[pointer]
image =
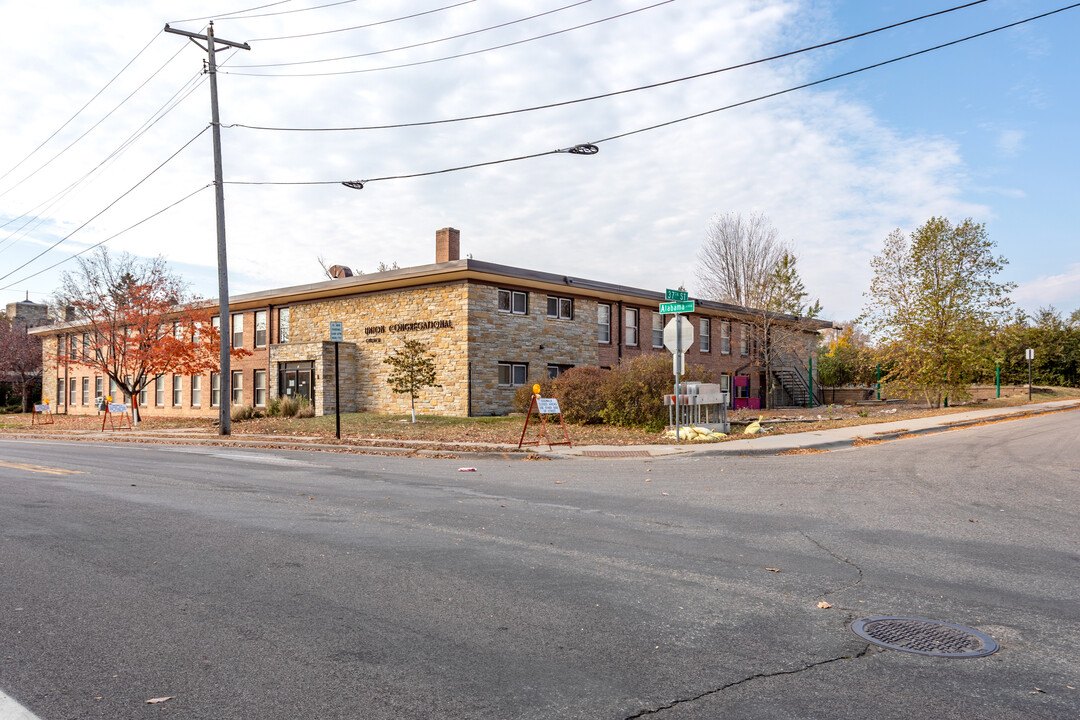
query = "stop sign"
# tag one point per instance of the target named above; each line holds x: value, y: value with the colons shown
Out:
x: 682, y: 326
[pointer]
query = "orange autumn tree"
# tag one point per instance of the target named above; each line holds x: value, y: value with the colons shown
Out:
x: 140, y: 321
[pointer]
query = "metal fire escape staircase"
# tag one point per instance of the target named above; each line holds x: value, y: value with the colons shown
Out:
x: 791, y: 373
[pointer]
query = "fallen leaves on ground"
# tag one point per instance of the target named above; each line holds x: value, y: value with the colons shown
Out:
x: 154, y: 701
x: 824, y: 605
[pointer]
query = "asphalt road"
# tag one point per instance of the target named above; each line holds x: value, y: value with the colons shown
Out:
x: 276, y: 584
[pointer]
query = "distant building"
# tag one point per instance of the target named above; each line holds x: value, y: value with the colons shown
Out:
x: 27, y: 313
x: 492, y: 328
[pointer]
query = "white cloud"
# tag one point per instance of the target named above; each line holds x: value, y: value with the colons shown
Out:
x: 1060, y: 289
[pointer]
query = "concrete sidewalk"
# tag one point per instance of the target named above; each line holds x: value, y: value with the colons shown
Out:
x: 763, y: 444
x: 831, y: 439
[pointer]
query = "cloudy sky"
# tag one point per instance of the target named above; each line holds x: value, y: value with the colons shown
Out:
x: 102, y: 113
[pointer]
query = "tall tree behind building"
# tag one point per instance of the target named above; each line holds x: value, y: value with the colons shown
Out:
x: 933, y: 304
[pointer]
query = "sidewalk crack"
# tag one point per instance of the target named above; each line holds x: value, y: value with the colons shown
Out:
x: 758, y: 676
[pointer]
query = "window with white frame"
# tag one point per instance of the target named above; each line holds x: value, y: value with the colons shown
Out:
x: 657, y: 330
x: 97, y: 387
x: 215, y: 389
x: 515, y: 302
x: 560, y: 307
x: 260, y: 388
x: 59, y: 391
x: 631, y: 325
x: 159, y: 391
x: 283, y: 325
x: 237, y: 330
x: 86, y: 391
x: 196, y: 391
x: 260, y: 328
x: 725, y: 337
x: 74, y: 395
x: 177, y: 390
x: 513, y: 374
x: 603, y: 323
x: 744, y: 340
x: 238, y: 387
x: 554, y: 371
x: 705, y: 326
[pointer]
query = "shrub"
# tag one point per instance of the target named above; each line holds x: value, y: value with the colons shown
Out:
x: 580, y: 392
x: 288, y: 407
x: 306, y: 409
x: 634, y: 391
x: 248, y: 412
x: 523, y: 395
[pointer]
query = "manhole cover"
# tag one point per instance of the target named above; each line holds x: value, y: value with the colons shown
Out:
x: 616, y: 453
x: 925, y: 637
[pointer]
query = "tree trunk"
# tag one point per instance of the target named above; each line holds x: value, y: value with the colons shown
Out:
x: 412, y: 406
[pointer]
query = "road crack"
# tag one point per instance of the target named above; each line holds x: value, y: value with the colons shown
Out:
x: 757, y: 676
x: 842, y: 559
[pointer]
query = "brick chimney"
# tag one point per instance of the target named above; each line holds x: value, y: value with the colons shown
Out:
x: 447, y: 245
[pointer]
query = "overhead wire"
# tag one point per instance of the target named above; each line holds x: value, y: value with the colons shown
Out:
x: 359, y: 27
x: 448, y: 57
x: 614, y: 93
x: 109, y: 206
x: 422, y: 44
x: 361, y: 183
x: 230, y: 14
x: 34, y: 215
x: 111, y: 237
x: 79, y: 111
x: 95, y: 125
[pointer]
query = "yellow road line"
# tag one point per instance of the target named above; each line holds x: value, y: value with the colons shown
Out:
x: 40, y: 469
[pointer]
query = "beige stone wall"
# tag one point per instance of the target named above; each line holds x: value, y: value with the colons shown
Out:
x: 532, y: 338
x: 376, y: 325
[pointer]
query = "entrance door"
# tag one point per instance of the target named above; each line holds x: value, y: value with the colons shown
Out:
x: 295, y: 380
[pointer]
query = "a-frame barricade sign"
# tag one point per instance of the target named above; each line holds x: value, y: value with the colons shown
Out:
x: 116, y: 414
x: 543, y: 406
x: 42, y: 414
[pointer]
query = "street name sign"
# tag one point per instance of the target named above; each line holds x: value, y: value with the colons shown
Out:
x: 666, y: 308
x: 676, y: 295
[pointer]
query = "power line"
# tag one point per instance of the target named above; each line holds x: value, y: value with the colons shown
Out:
x: 359, y: 27
x: 616, y: 92
x: 422, y: 44
x: 107, y: 207
x: 235, y: 12
x: 361, y: 183
x: 102, y: 242
x: 95, y: 125
x: 451, y: 57
x: 34, y: 216
x: 79, y: 111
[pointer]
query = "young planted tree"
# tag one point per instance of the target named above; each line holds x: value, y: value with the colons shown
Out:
x: 413, y: 370
x: 934, y: 303
x: 20, y: 359
x: 140, y: 321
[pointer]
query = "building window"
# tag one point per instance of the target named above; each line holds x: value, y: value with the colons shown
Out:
x: 159, y: 391
x: 283, y: 325
x: 657, y: 330
x: 114, y: 390
x: 215, y: 389
x: 85, y: 345
x: 705, y: 324
x: 260, y: 388
x: 631, y: 326
x: 215, y: 322
x: 86, y: 391
x: 725, y: 337
x: 744, y: 340
x: 560, y: 308
x: 74, y: 388
x: 238, y: 387
x: 196, y: 391
x: 513, y: 301
x: 260, y: 328
x: 177, y: 390
x: 142, y: 395
x: 237, y: 330
x: 97, y: 387
x: 603, y: 323
x: 513, y: 374
x: 554, y: 371
x: 59, y: 391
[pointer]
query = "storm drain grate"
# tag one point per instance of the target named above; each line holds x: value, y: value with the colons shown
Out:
x: 925, y: 637
x: 616, y: 453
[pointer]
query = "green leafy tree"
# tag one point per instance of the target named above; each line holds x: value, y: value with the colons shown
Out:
x: 788, y: 294
x: 413, y: 370
x: 934, y: 303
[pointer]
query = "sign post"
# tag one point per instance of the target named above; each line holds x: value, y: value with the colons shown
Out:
x: 1030, y: 353
x: 335, y: 337
x: 42, y: 413
x: 678, y: 335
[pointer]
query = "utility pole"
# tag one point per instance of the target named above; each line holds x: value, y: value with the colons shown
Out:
x: 225, y: 371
